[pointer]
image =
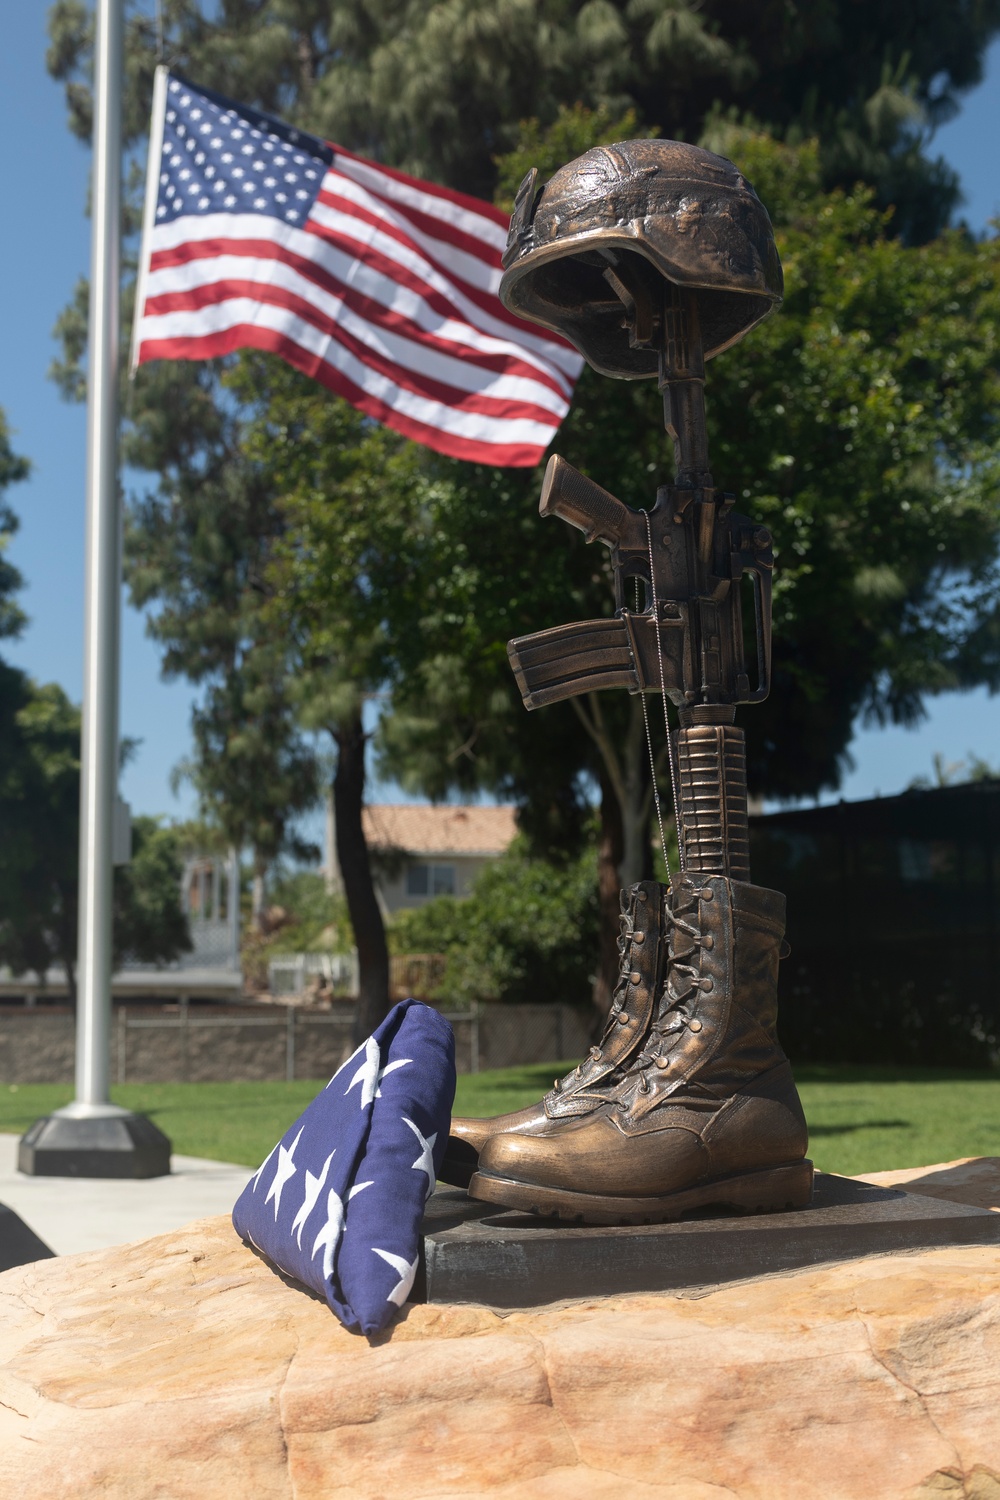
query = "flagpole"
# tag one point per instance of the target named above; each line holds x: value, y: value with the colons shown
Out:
x: 93, y: 1137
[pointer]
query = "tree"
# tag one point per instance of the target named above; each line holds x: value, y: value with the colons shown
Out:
x: 392, y: 77
x: 39, y: 814
x: 39, y: 784
x: 858, y: 424
x: 150, y: 924
x: 517, y: 937
x: 346, y: 492
x: 438, y: 87
x: 197, y: 549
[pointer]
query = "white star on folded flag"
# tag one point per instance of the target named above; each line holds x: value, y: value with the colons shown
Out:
x: 285, y: 1169
x: 334, y: 1226
x: 371, y: 1073
x: 425, y: 1161
x: 380, y: 286
x: 312, y: 1192
x: 405, y: 1269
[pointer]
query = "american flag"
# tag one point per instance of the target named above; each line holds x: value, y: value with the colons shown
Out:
x: 382, y: 287
x: 338, y: 1203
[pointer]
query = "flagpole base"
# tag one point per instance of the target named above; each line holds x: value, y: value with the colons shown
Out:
x: 94, y: 1141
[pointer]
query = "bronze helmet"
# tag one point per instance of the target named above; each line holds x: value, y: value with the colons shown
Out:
x: 690, y: 213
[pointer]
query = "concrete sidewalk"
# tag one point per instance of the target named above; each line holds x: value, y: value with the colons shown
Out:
x: 87, y: 1213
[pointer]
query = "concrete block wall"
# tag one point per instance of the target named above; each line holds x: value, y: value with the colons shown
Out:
x: 204, y: 1045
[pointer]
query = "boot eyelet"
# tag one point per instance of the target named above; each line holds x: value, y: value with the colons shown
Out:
x: 638, y: 937
x: 663, y: 1062
x: 624, y: 1020
x: 707, y: 894
x: 635, y: 977
x: 694, y: 1025
x: 706, y: 984
x: 707, y: 940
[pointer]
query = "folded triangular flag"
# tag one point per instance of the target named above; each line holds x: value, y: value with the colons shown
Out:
x: 338, y: 1203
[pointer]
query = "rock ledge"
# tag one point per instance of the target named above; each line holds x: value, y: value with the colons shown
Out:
x: 182, y: 1368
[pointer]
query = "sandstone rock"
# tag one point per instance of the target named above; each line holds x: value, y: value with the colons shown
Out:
x: 183, y: 1368
x: 971, y: 1179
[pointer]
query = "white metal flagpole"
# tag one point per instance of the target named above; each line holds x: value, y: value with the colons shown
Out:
x: 102, y: 603
x: 91, y: 1136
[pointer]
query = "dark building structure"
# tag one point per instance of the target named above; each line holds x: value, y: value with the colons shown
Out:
x: 894, y: 926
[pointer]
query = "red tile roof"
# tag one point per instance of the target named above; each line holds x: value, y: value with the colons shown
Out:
x: 439, y: 830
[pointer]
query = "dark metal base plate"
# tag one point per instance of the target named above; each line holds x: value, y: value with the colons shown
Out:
x: 111, y: 1146
x: 18, y: 1244
x: 474, y: 1252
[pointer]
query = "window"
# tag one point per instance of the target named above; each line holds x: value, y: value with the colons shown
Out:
x: 430, y: 880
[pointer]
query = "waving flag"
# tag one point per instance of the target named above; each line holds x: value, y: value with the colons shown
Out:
x: 382, y: 287
x: 339, y: 1201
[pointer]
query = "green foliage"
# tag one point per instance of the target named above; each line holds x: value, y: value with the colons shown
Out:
x: 39, y: 812
x: 39, y: 877
x: 526, y: 934
x: 150, y: 924
x: 316, y: 921
x: 953, y: 773
x: 859, y: 424
x: 197, y: 548
x: 438, y: 86
x: 13, y: 468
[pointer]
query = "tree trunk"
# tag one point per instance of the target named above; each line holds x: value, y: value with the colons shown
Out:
x: 356, y: 874
x: 609, y: 856
x: 257, y: 894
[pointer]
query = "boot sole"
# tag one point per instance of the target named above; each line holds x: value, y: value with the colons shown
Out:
x: 770, y: 1190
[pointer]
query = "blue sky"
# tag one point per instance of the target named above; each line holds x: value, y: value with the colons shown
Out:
x: 45, y: 176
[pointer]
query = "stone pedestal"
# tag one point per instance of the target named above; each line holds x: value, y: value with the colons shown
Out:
x: 474, y: 1252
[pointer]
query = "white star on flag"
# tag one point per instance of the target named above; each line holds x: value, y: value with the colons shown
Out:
x: 334, y: 1227
x: 285, y: 1169
x: 406, y: 1271
x: 313, y: 1186
x: 255, y: 1179
x: 370, y: 1075
x: 425, y: 1161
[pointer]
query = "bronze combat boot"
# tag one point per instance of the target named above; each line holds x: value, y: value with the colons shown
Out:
x: 709, y: 1113
x: 602, y: 1073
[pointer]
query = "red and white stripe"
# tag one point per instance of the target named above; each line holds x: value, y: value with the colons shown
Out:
x: 388, y: 295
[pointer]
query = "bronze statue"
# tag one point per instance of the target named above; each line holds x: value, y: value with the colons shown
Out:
x: 652, y: 256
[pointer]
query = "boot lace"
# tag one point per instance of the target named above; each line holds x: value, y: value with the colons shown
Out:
x: 626, y: 931
x: 680, y: 983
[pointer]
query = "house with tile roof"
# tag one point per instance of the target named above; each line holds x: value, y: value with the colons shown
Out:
x: 422, y: 852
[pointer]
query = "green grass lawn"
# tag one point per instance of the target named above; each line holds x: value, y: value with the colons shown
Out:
x: 860, y: 1119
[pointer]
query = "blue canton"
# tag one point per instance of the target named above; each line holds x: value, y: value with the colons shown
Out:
x: 222, y: 158
x: 338, y: 1203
